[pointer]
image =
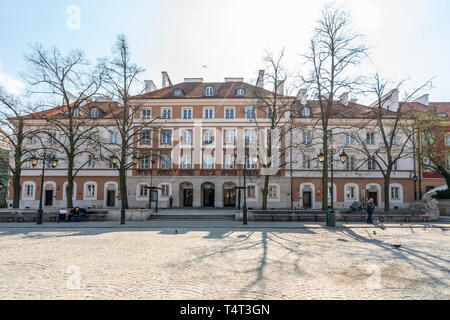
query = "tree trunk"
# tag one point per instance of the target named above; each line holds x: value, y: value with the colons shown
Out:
x: 325, y: 172
x: 16, y: 189
x: 123, y: 187
x: 69, y: 188
x: 387, y: 202
x: 265, y: 192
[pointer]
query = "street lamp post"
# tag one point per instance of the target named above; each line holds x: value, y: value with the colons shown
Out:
x: 343, y: 159
x: 53, y: 163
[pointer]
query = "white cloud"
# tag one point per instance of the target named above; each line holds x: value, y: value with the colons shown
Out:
x: 11, y: 84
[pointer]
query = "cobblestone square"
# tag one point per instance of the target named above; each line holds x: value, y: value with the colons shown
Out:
x: 224, y: 263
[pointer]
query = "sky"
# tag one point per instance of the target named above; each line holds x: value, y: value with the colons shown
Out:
x: 409, y: 39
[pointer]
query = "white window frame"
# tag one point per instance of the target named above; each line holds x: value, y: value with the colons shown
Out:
x: 161, y: 161
x: 146, y: 116
x: 207, y: 109
x: 204, y: 162
x: 87, y: 196
x: 183, y: 114
x: 277, y: 193
x: 184, y: 163
x: 229, y: 109
x: 256, y: 192
x: 246, y: 113
x: 166, y: 109
x: 25, y: 185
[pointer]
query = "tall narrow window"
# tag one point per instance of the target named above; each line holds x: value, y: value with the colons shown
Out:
x: 165, y: 161
x: 229, y: 136
x: 187, y: 113
x: 186, y: 161
x: 145, y: 137
x: 306, y: 162
x: 349, y: 138
x: 166, y: 137
x: 187, y: 137
x: 371, y: 165
x: 229, y: 113
x: 146, y: 114
x: 250, y: 112
x: 166, y: 113
x: 207, y: 161
x: 229, y: 161
x: 307, y: 137
x: 370, y: 138
x: 145, y: 162
x: 208, y: 113
x: 208, y: 137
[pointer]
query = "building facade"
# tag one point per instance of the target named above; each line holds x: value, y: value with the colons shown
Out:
x: 201, y: 138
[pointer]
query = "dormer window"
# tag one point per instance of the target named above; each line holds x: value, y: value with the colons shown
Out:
x: 240, y: 92
x: 306, y: 112
x: 209, y: 91
x: 178, y: 92
x: 94, y: 112
x: 76, y: 113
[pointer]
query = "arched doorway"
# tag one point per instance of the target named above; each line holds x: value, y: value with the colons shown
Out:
x: 208, y: 194
x: 229, y: 195
x: 186, y: 194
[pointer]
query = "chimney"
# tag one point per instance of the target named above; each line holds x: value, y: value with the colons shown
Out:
x: 193, y: 79
x: 166, y: 80
x: 423, y: 99
x: 231, y: 79
x: 149, y: 86
x: 344, y: 99
x: 301, y: 96
x: 260, y: 81
x: 280, y: 87
x: 389, y: 100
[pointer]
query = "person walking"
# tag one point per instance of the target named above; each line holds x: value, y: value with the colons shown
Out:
x: 370, y: 208
x: 170, y: 201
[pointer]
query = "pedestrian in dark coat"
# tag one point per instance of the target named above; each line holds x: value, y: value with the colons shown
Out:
x: 370, y: 209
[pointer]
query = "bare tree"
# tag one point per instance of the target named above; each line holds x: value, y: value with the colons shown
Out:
x: 276, y: 107
x: 120, y: 82
x: 65, y: 85
x: 392, y: 125
x: 333, y: 50
x: 18, y: 136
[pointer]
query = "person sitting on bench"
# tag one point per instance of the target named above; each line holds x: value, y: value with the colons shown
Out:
x: 62, y: 215
x: 77, y: 214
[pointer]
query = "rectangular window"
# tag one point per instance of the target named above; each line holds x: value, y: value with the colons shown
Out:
x: 166, y: 137
x: 187, y: 113
x: 166, y: 113
x: 330, y: 137
x: 165, y: 161
x: 29, y: 190
x: 395, y: 193
x: 52, y: 138
x: 251, y: 192
x: 306, y: 162
x: 187, y: 137
x: 229, y: 113
x: 145, y: 162
x: 250, y: 112
x: 229, y: 161
x: 349, y: 138
x: 113, y: 137
x: 146, y: 114
x: 143, y: 191
x: 370, y: 138
x: 207, y: 161
x: 273, y: 192
x: 186, y: 161
x: 145, y: 137
x: 250, y: 162
x: 307, y: 137
x: 371, y: 165
x: 91, y: 162
x: 90, y: 190
x: 350, y: 192
x: 350, y: 163
x: 208, y: 137
x: 208, y: 113
x: 250, y: 136
x: 165, y: 190
x: 229, y: 136
x: 395, y: 165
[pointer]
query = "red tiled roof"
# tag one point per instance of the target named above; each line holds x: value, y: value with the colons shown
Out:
x: 58, y: 112
x: 196, y: 90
